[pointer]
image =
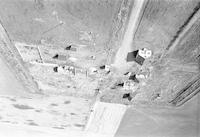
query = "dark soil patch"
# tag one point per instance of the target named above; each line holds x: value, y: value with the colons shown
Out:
x: 67, y: 102
x: 59, y: 127
x: 33, y: 124
x: 53, y: 104
x: 22, y: 106
x: 79, y: 125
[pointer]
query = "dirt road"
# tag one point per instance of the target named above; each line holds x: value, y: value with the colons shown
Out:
x: 126, y: 46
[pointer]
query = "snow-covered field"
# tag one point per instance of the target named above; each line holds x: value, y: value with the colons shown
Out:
x: 60, y: 112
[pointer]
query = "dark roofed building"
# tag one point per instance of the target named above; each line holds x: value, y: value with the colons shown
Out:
x: 71, y: 48
x: 133, y: 77
x: 60, y: 57
x: 134, y: 56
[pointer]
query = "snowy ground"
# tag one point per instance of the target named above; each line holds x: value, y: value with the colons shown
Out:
x: 20, y: 110
x: 60, y: 112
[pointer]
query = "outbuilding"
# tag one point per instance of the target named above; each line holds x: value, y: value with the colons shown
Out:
x: 71, y: 48
x: 60, y: 57
x: 139, y: 56
x: 134, y: 56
